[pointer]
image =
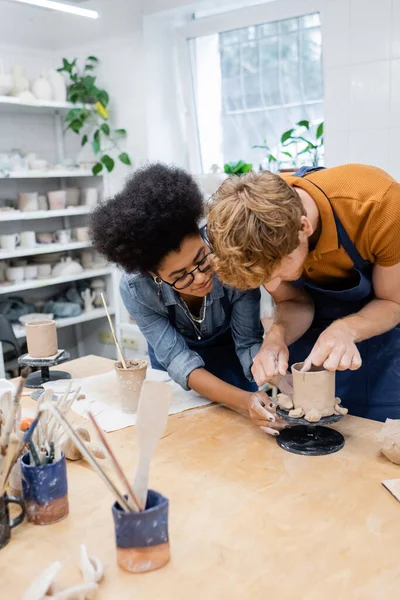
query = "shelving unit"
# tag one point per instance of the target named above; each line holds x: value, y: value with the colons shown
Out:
x: 43, y: 249
x: 84, y: 329
x: 18, y: 215
x: 41, y: 283
x: 50, y: 174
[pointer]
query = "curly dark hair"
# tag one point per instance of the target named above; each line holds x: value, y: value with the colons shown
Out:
x: 158, y: 207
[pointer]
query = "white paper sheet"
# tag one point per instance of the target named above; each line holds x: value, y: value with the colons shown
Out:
x: 102, y: 398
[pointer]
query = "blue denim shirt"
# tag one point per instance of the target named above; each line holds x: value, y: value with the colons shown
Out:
x: 148, y: 306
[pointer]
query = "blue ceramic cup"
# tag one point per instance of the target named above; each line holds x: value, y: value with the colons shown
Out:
x: 45, y: 490
x: 142, y: 537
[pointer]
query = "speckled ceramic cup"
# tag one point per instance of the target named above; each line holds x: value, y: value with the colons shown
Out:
x: 142, y: 537
x: 130, y: 383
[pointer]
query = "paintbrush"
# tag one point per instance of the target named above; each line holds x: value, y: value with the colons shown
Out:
x: 87, y: 454
x: 121, y: 356
x: 133, y: 501
x: 13, y: 412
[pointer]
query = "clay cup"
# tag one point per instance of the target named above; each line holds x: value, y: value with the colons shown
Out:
x: 41, y: 337
x: 142, y: 537
x: 130, y: 383
x: 314, y: 389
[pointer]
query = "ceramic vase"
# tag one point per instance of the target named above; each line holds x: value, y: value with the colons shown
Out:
x: 57, y: 199
x: 57, y: 83
x: 41, y: 89
x: 41, y: 337
x: 73, y: 195
x: 130, y: 383
x: 20, y: 82
x: 314, y: 389
x: 142, y: 538
x: 6, y: 81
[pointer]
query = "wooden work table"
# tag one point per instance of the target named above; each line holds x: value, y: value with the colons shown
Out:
x: 247, y: 519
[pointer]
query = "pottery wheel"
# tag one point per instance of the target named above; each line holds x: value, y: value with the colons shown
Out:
x: 310, y: 439
x: 36, y: 380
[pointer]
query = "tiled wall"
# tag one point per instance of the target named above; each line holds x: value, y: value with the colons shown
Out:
x: 362, y: 82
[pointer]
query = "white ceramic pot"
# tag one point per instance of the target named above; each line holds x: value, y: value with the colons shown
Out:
x: 87, y: 259
x: 63, y: 236
x: 15, y: 274
x: 28, y: 239
x: 57, y: 199
x: 20, y: 82
x: 42, y: 202
x: 31, y: 272
x: 6, y: 81
x: 58, y: 86
x: 28, y: 201
x: 73, y: 195
x: 41, y: 89
x: 82, y: 234
x: 44, y: 271
x: 38, y: 164
x: 45, y: 238
x: 67, y: 266
x: 90, y: 196
x: 10, y: 241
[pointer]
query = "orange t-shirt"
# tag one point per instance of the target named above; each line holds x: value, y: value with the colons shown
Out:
x: 367, y: 202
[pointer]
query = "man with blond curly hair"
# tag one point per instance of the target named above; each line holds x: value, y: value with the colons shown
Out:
x: 325, y: 243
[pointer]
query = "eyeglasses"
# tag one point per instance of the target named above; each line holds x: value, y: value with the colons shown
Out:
x: 186, y: 280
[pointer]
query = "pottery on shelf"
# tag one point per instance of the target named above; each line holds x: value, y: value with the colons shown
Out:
x: 20, y: 82
x: 27, y: 97
x: 29, y: 318
x: 67, y: 266
x: 28, y: 201
x: 88, y: 296
x: 15, y: 274
x: 57, y: 199
x: 98, y: 286
x: 73, y: 195
x: 45, y: 238
x: 6, y: 81
x: 81, y: 234
x: 41, y: 337
x: 44, y: 271
x: 42, y: 89
x: 57, y: 83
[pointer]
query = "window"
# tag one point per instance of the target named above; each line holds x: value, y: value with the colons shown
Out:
x: 254, y: 83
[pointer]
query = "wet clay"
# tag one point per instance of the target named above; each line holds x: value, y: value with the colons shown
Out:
x: 389, y: 436
x: 130, y: 383
x: 313, y: 395
x: 140, y: 560
x: 41, y: 337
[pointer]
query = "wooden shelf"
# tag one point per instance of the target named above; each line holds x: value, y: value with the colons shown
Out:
x: 97, y: 313
x: 18, y: 215
x: 11, y: 103
x: 43, y: 249
x: 51, y: 174
x: 36, y: 284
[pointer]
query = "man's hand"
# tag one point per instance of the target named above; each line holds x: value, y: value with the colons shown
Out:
x: 272, y: 360
x: 335, y: 349
x: 262, y: 412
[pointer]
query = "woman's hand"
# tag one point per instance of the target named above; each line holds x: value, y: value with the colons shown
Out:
x: 262, y: 412
x: 272, y: 359
x: 335, y: 350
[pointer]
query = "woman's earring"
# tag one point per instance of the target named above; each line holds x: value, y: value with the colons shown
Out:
x: 158, y: 281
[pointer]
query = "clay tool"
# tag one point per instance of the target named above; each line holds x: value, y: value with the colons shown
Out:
x: 393, y: 486
x: 151, y: 423
x: 132, y: 498
x: 87, y: 454
x: 13, y: 412
x: 121, y: 356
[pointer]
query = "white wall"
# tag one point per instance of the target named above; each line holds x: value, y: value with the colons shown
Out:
x: 362, y: 82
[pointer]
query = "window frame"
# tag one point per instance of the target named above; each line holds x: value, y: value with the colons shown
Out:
x: 215, y: 24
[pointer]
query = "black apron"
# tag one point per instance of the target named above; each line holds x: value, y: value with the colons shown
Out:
x: 217, y: 351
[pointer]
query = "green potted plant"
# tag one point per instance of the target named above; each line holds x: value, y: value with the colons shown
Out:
x: 272, y: 161
x: 312, y: 143
x: 237, y: 168
x: 91, y: 118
